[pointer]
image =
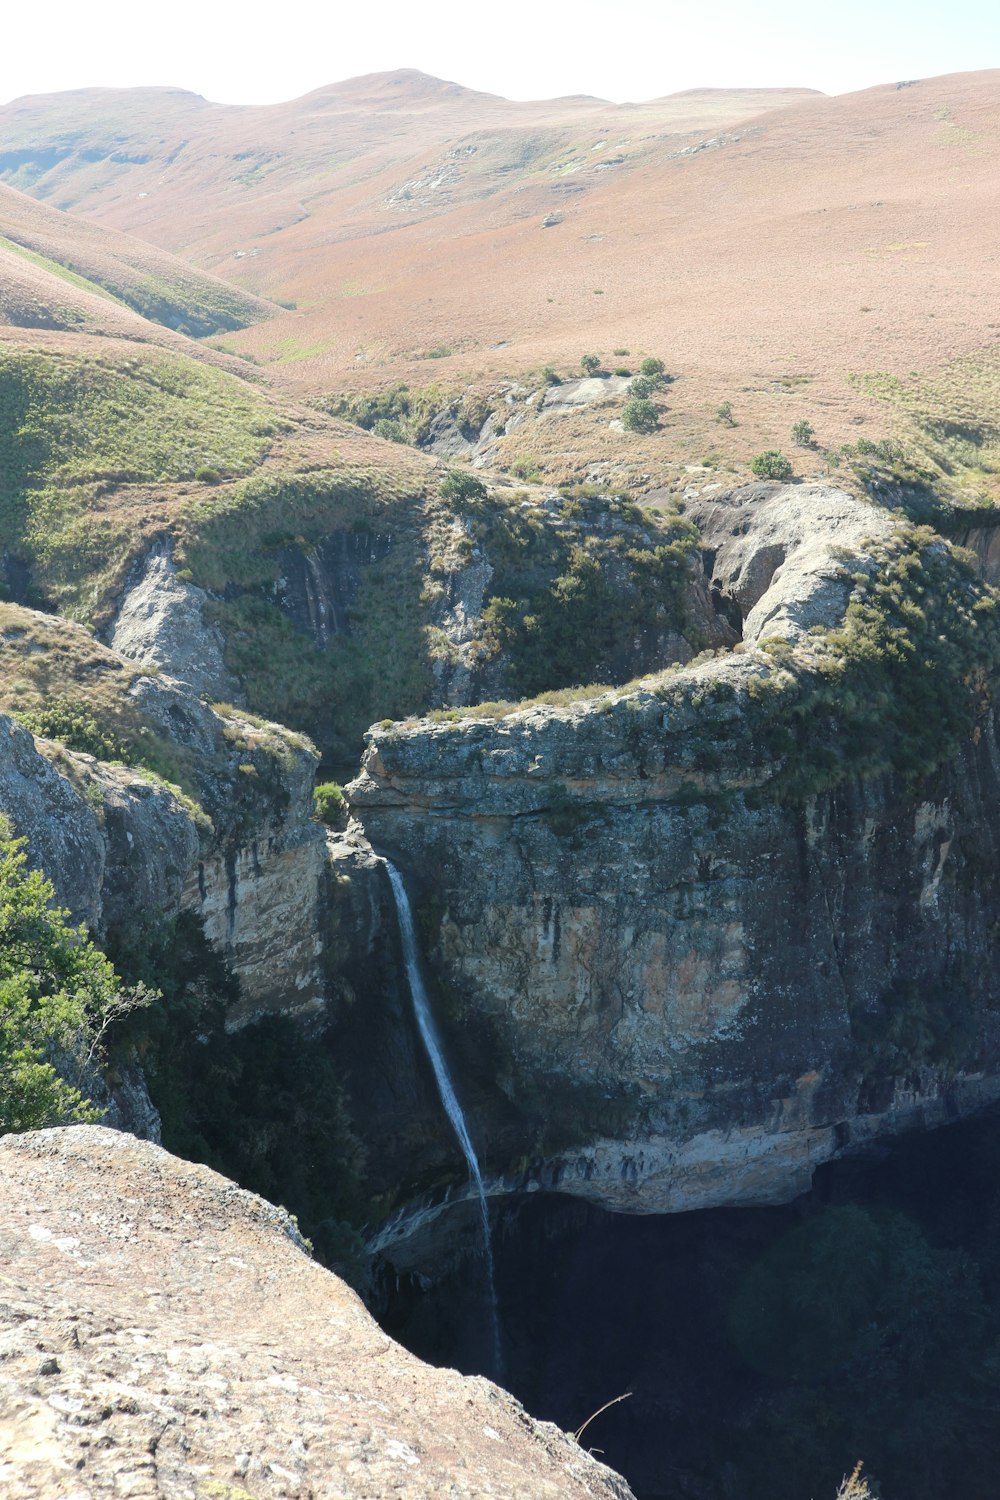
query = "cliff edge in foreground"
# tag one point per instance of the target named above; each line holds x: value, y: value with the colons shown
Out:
x: 163, y: 1334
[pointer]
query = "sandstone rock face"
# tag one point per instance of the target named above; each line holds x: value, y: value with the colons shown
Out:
x: 164, y: 1335
x: 984, y: 542
x: 123, y: 848
x: 260, y: 904
x: 119, y: 845
x: 695, y: 990
x: 160, y: 624
x: 775, y: 553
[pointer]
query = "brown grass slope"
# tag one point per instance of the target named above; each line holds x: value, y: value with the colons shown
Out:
x: 828, y: 260
x: 150, y: 281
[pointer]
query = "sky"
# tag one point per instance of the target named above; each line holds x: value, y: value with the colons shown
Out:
x: 254, y: 53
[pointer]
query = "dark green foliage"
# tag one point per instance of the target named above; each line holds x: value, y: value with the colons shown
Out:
x: 904, y: 679
x: 639, y: 415
x: 58, y: 996
x: 328, y: 800
x: 652, y: 369
x: 771, y: 464
x: 550, y: 377
x: 803, y: 433
x: 459, y: 485
x: 867, y: 1331
x: 724, y: 414
x: 391, y: 430
x: 642, y: 388
x: 72, y: 723
x: 569, y: 601
x: 591, y: 364
x: 263, y: 1105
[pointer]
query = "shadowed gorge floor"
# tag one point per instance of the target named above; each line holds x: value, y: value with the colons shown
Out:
x: 765, y: 1350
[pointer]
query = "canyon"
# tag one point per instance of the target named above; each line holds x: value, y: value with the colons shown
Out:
x: 530, y: 822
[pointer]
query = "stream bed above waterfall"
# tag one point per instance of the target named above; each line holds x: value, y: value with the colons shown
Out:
x: 765, y: 1350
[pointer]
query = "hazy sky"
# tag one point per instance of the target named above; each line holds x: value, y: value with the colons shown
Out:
x: 251, y: 53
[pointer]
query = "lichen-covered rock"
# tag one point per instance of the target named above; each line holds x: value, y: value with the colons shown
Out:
x: 164, y: 1333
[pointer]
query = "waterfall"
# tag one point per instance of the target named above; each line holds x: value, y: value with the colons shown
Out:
x: 317, y: 602
x: 446, y: 1089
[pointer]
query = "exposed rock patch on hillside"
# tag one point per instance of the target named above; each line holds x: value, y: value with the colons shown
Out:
x: 164, y: 1335
x: 160, y: 624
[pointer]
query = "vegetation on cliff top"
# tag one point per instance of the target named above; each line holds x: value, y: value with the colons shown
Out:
x: 896, y: 687
x: 572, y: 591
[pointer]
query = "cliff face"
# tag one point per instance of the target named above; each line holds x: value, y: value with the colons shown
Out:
x: 695, y: 986
x: 121, y: 845
x: 163, y: 1329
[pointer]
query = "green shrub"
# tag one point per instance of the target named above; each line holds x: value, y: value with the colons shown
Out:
x: 640, y: 416
x: 459, y: 485
x: 72, y: 723
x: 803, y: 433
x: 724, y: 414
x: 642, y: 388
x: 591, y: 363
x: 390, y: 429
x: 328, y: 800
x: 58, y: 997
x: 549, y: 376
x: 207, y: 475
x: 653, y: 369
x: 771, y: 464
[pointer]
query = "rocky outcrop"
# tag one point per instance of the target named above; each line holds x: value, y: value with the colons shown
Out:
x: 693, y: 987
x: 775, y: 554
x: 121, y: 845
x: 113, y: 841
x: 161, y: 624
x: 164, y: 1332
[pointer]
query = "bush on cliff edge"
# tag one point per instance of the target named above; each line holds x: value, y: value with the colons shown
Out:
x: 58, y: 996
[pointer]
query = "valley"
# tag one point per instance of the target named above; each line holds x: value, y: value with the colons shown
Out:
x: 498, y: 646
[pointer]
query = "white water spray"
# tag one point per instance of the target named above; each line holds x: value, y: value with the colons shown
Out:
x: 446, y: 1089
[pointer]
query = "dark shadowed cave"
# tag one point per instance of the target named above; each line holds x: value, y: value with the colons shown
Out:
x: 765, y: 1350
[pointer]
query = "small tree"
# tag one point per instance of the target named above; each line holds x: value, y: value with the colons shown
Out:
x: 725, y: 414
x: 591, y: 364
x: 772, y: 464
x: 642, y: 388
x: 653, y: 369
x: 802, y: 434
x: 460, y: 485
x: 640, y: 416
x: 58, y: 996
x: 328, y: 802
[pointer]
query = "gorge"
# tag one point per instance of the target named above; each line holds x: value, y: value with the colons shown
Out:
x: 554, y: 845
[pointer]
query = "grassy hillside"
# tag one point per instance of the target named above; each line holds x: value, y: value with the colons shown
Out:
x: 148, y: 280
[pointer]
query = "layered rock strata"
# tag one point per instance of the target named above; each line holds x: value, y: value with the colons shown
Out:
x: 694, y: 988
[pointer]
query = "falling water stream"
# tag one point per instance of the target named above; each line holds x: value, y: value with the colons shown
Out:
x: 446, y: 1089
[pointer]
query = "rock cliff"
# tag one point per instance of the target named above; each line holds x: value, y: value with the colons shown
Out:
x: 702, y: 960
x: 164, y: 1334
